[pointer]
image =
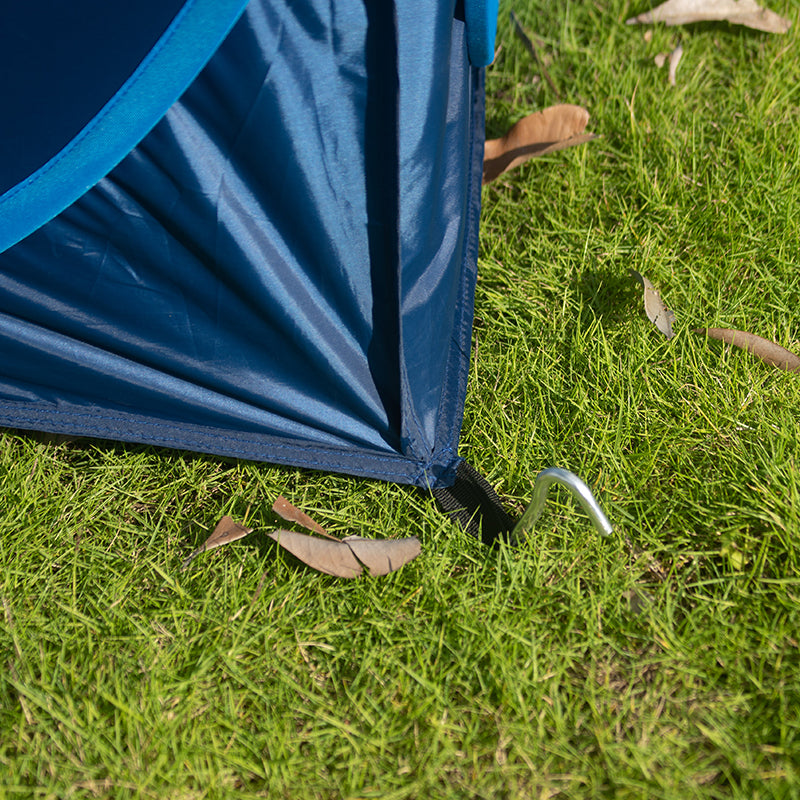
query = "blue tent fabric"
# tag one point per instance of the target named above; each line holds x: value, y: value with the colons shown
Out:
x: 84, y: 71
x: 281, y: 266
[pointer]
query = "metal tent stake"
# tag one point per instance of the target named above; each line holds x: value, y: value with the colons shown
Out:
x: 578, y: 488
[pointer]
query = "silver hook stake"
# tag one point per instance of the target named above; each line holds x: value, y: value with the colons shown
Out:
x: 578, y: 488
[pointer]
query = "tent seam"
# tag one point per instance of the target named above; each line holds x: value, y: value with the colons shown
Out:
x: 190, y: 429
x: 326, y: 464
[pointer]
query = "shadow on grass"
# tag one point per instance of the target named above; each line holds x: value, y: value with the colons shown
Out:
x: 608, y: 294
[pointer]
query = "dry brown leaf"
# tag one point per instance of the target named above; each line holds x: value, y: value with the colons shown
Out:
x: 285, y: 510
x: 639, y: 601
x: 382, y: 556
x: 344, y: 559
x: 226, y: 531
x: 764, y: 349
x: 737, y: 12
x: 323, y: 555
x: 654, y: 307
x: 554, y: 128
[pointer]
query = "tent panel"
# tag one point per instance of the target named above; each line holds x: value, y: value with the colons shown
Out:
x: 443, y: 136
x: 241, y: 282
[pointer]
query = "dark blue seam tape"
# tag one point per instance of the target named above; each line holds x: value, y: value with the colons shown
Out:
x: 130, y: 428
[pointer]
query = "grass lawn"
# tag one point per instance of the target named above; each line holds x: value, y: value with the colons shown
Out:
x: 663, y: 662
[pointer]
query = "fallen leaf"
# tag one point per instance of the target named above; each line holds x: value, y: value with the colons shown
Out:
x: 674, y: 60
x: 554, y: 128
x: 737, y: 12
x: 226, y: 531
x: 764, y: 349
x: 323, y: 555
x: 344, y: 559
x: 382, y: 556
x: 654, y: 307
x: 285, y: 510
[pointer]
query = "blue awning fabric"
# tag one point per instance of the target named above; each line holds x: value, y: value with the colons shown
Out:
x: 257, y: 238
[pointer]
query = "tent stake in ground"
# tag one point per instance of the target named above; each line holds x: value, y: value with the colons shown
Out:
x: 544, y: 480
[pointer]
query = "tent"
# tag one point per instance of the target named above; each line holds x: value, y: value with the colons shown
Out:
x: 244, y: 228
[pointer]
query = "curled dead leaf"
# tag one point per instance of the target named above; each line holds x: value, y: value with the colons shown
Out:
x: 654, y: 307
x: 382, y: 556
x: 285, y: 510
x: 344, y: 559
x: 554, y: 128
x: 323, y: 555
x: 737, y: 12
x: 225, y: 532
x: 767, y: 351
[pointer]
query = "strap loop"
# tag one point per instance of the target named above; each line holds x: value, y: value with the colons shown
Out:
x: 473, y: 503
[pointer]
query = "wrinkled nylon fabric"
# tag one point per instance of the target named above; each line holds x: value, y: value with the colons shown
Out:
x: 283, y: 269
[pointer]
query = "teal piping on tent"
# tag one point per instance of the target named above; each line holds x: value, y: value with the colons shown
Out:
x: 172, y: 64
x: 481, y: 19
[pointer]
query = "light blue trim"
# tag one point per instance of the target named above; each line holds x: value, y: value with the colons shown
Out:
x: 169, y: 68
x: 481, y: 19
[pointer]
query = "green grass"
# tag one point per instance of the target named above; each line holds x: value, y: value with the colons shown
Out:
x: 567, y: 668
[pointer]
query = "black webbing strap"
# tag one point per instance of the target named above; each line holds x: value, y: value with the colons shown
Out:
x: 473, y: 503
